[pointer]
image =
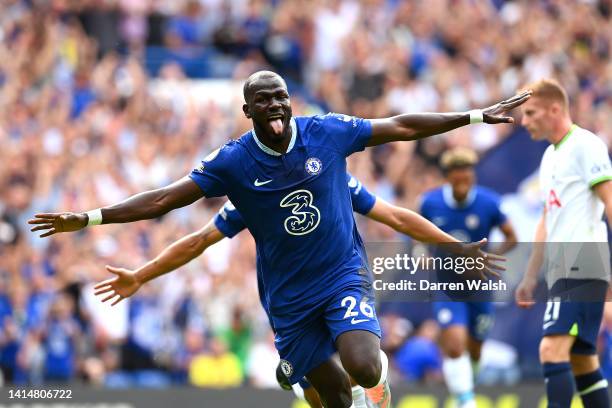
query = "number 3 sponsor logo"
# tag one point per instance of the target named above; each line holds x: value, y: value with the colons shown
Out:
x: 305, y: 216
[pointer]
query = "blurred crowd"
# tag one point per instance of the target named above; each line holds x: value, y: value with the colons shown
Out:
x: 80, y: 128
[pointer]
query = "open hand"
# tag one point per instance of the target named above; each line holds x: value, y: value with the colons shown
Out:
x: 495, y: 114
x: 124, y: 285
x: 493, y: 264
x: 52, y: 223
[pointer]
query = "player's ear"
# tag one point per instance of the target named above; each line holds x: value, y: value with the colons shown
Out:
x: 245, y: 109
x: 555, y: 108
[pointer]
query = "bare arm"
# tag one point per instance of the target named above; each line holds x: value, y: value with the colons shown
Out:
x: 524, y: 292
x: 537, y: 255
x: 142, y: 206
x: 127, y: 282
x: 180, y: 252
x: 418, y: 227
x: 154, y: 203
x: 415, y: 126
x: 409, y: 223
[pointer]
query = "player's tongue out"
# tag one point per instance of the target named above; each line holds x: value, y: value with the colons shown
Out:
x: 277, y: 125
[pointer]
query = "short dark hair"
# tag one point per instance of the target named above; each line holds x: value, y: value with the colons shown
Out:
x: 246, y: 88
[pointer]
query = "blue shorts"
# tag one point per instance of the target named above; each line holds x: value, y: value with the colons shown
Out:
x: 313, y: 343
x: 581, y: 319
x: 476, y: 316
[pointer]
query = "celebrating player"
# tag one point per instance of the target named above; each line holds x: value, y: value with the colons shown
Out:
x: 467, y: 212
x: 228, y: 223
x: 286, y: 177
x: 575, y: 176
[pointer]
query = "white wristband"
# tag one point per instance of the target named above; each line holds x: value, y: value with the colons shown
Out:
x: 95, y: 217
x: 476, y: 116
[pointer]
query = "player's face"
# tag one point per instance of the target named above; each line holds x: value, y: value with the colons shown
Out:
x: 270, y: 108
x: 461, y: 180
x: 538, y: 117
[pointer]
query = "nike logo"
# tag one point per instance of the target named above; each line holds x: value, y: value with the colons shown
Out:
x: 355, y: 321
x: 260, y: 183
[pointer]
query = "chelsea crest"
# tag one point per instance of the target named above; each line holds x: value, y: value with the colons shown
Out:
x: 313, y: 166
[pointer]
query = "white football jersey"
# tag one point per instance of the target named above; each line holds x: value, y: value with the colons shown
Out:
x: 574, y: 212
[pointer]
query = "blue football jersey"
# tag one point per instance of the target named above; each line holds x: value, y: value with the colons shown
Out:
x: 469, y: 222
x: 230, y: 223
x: 297, y: 207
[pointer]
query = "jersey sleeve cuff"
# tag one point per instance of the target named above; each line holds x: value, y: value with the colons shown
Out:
x: 221, y: 226
x: 366, y: 134
x: 197, y: 181
x: 369, y: 206
x: 598, y: 180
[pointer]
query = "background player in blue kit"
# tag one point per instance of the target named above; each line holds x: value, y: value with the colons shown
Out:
x: 468, y: 212
x: 286, y: 177
x: 228, y: 223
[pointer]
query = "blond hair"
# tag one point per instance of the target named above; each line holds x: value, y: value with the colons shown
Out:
x: 458, y: 157
x: 550, y: 90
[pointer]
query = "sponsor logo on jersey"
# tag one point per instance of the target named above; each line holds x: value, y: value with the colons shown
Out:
x: 345, y: 118
x: 305, y: 216
x: 553, y: 200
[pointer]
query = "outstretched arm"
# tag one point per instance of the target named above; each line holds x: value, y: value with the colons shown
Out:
x: 127, y: 282
x: 418, y: 227
x: 409, y: 223
x: 142, y: 206
x: 415, y: 126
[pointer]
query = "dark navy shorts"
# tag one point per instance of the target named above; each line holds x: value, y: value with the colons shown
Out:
x: 570, y: 312
x: 304, y: 349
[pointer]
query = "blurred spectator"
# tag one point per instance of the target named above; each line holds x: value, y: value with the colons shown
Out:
x: 82, y: 95
x: 237, y: 337
x: 145, y: 332
x: 17, y: 338
x: 262, y: 362
x: 182, y: 29
x: 60, y: 337
x: 419, y: 359
x: 218, y: 368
